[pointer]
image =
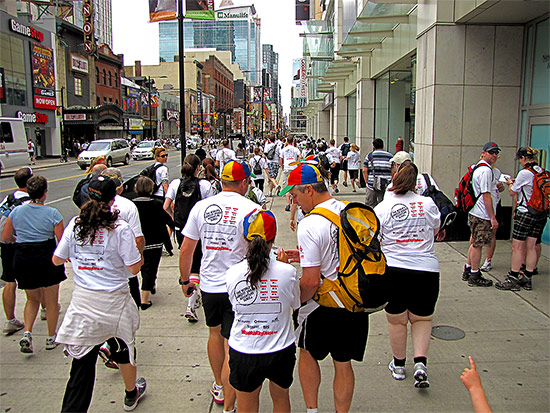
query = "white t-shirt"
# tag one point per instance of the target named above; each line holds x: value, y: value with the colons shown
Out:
x: 422, y: 185
x: 263, y: 315
x: 262, y: 162
x: 333, y: 154
x: 483, y: 181
x: 354, y: 159
x: 289, y: 154
x: 128, y: 211
x: 523, y: 186
x: 161, y: 177
x: 218, y: 222
x: 407, y: 224
x: 276, y: 155
x: 225, y: 155
x: 101, y: 266
x: 318, y: 240
x: 204, y: 186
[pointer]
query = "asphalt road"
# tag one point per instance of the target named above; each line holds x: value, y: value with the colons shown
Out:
x: 63, y: 179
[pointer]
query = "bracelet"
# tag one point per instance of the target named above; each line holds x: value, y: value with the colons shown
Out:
x: 183, y: 282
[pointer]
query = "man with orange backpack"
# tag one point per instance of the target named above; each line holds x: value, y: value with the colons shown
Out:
x: 532, y: 187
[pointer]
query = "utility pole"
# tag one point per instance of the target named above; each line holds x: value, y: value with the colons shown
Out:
x: 182, y: 80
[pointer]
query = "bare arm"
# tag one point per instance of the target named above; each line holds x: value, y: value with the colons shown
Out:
x: 488, y: 201
x: 168, y: 207
x: 57, y: 261
x: 58, y: 230
x: 186, y: 258
x: 8, y: 235
x: 140, y: 243
x: 309, y: 283
x: 471, y: 380
x: 365, y: 174
x: 134, y: 268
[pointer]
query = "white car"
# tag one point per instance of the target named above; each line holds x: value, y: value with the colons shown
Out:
x: 144, y: 150
x: 114, y: 150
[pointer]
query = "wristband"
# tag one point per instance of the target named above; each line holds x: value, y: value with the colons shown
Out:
x: 183, y: 282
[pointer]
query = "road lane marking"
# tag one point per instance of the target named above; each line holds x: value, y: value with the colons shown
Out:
x: 59, y: 200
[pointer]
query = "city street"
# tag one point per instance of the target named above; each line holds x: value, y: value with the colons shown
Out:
x: 507, y: 333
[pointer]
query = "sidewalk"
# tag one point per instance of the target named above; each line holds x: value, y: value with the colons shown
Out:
x: 507, y: 333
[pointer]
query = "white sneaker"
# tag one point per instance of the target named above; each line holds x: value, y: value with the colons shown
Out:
x: 12, y: 326
x: 25, y: 344
x: 397, y: 372
x: 217, y: 393
x: 486, y: 266
x: 421, y: 376
x: 198, y: 301
x: 191, y: 315
x: 50, y: 343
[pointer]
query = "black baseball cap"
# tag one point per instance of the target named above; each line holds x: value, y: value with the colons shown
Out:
x: 102, y: 188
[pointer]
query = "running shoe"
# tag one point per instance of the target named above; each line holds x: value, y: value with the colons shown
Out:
x: 345, y: 183
x: 486, y: 266
x: 130, y: 403
x: 421, y: 376
x: 25, y: 344
x: 191, y: 315
x: 466, y: 273
x: 11, y: 326
x: 287, y: 208
x: 397, y: 372
x: 105, y: 354
x: 50, y: 343
x: 525, y: 283
x: 476, y: 280
x: 510, y: 283
x: 217, y: 393
x: 198, y: 301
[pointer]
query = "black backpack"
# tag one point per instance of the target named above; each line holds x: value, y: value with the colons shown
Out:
x: 150, y: 172
x: 8, y: 206
x: 444, y: 204
x: 257, y: 168
x: 78, y: 189
x: 187, y: 195
x: 345, y: 149
x: 271, y: 152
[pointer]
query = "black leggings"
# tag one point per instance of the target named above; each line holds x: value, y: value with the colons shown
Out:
x: 80, y: 387
x: 151, y: 261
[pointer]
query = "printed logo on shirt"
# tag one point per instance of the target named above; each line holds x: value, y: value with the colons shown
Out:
x: 213, y: 214
x: 399, y: 212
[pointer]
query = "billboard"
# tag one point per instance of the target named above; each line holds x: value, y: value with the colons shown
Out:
x: 2, y: 86
x: 234, y: 13
x: 43, y: 76
x: 160, y: 10
x: 199, y: 9
x: 257, y: 98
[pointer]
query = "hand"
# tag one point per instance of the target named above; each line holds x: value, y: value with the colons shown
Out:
x: 500, y: 186
x: 510, y: 181
x: 293, y: 224
x: 282, y: 255
x: 188, y: 289
x: 293, y: 255
x: 470, y: 377
x: 441, y: 235
x: 494, y: 223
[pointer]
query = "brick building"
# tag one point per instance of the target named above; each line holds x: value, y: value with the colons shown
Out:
x: 218, y: 81
x: 108, y: 67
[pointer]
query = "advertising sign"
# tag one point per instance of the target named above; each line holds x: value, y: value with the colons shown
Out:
x: 154, y: 99
x: 144, y: 99
x: 27, y: 31
x: 79, y: 63
x: 74, y: 116
x: 236, y: 13
x: 132, y: 92
x: 172, y: 114
x: 88, y: 26
x: 161, y: 10
x: 2, y: 86
x: 303, y: 84
x: 268, y: 97
x: 32, y: 117
x: 257, y: 98
x: 43, y: 78
x: 135, y: 123
x: 199, y: 9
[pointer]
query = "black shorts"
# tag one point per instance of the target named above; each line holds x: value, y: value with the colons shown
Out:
x: 528, y: 225
x: 416, y: 291
x: 33, y: 267
x: 335, y: 331
x: 218, y: 311
x: 248, y: 371
x: 6, y: 253
x: 353, y: 173
x: 334, y: 172
x: 344, y: 165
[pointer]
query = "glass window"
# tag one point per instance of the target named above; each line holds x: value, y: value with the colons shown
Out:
x: 96, y: 75
x: 351, y: 117
x: 6, y: 135
x: 382, y: 92
x: 110, y: 79
x: 12, y: 59
x: 527, y: 65
x: 77, y: 86
x: 540, y: 88
x: 104, y: 77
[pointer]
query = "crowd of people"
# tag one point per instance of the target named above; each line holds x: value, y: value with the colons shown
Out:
x: 262, y: 313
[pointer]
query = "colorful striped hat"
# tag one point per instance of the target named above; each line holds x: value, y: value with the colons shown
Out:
x: 302, y: 175
x: 236, y: 171
x: 260, y: 223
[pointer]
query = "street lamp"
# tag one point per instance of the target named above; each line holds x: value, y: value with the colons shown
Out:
x: 199, y: 93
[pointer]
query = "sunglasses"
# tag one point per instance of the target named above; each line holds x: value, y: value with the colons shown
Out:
x: 494, y: 152
x: 163, y: 156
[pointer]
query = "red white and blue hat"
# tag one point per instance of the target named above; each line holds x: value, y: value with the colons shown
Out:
x: 236, y: 171
x: 303, y: 174
x: 260, y: 223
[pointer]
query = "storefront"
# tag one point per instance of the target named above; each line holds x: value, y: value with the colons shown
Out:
x: 88, y: 124
x: 27, y: 64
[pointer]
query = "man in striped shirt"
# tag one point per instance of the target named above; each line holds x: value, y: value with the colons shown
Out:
x: 377, y: 172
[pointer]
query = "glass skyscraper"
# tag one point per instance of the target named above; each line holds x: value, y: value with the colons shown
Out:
x: 240, y: 35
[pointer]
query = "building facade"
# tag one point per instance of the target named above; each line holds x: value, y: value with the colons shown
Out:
x: 445, y: 76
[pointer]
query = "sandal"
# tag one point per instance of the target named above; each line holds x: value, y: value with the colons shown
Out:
x: 145, y: 306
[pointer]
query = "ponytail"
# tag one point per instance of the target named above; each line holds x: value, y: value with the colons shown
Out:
x: 258, y: 260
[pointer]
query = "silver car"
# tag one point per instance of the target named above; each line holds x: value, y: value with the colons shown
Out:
x: 114, y: 151
x: 144, y: 150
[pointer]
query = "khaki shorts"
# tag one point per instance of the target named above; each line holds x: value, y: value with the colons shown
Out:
x: 482, y: 234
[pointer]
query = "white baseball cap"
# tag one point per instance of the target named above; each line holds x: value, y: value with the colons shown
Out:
x: 401, y: 157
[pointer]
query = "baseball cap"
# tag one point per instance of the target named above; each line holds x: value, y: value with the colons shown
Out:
x: 489, y: 146
x: 102, y: 188
x: 527, y: 152
x: 401, y: 157
x: 260, y: 223
x: 302, y: 175
x: 236, y: 171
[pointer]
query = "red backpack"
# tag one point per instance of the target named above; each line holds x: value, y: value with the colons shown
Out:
x: 538, y: 204
x: 465, y: 197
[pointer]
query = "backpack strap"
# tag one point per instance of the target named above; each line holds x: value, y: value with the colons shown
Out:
x: 427, y: 179
x: 328, y: 214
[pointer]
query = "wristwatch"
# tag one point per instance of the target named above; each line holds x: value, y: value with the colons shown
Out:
x: 183, y: 282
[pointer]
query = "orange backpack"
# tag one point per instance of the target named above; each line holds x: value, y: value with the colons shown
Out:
x: 539, y: 204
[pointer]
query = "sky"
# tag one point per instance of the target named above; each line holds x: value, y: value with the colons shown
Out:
x: 137, y: 39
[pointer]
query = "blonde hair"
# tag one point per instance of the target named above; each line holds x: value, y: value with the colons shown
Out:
x: 157, y: 150
x: 354, y: 147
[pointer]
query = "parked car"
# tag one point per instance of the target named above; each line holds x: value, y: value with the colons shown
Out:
x: 144, y: 150
x: 114, y: 150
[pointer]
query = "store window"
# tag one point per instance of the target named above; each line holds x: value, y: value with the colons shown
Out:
x: 12, y: 60
x: 77, y: 86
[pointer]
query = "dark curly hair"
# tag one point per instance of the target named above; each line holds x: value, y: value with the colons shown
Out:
x: 94, y: 215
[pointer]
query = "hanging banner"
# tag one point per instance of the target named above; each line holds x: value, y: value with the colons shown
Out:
x: 2, y: 86
x: 162, y: 10
x: 199, y: 9
x: 43, y: 78
x: 257, y: 98
x: 268, y: 97
x: 88, y: 26
x: 144, y: 99
x: 154, y: 99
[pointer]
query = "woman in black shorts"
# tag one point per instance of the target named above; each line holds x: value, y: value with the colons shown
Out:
x: 263, y: 292
x: 408, y: 225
